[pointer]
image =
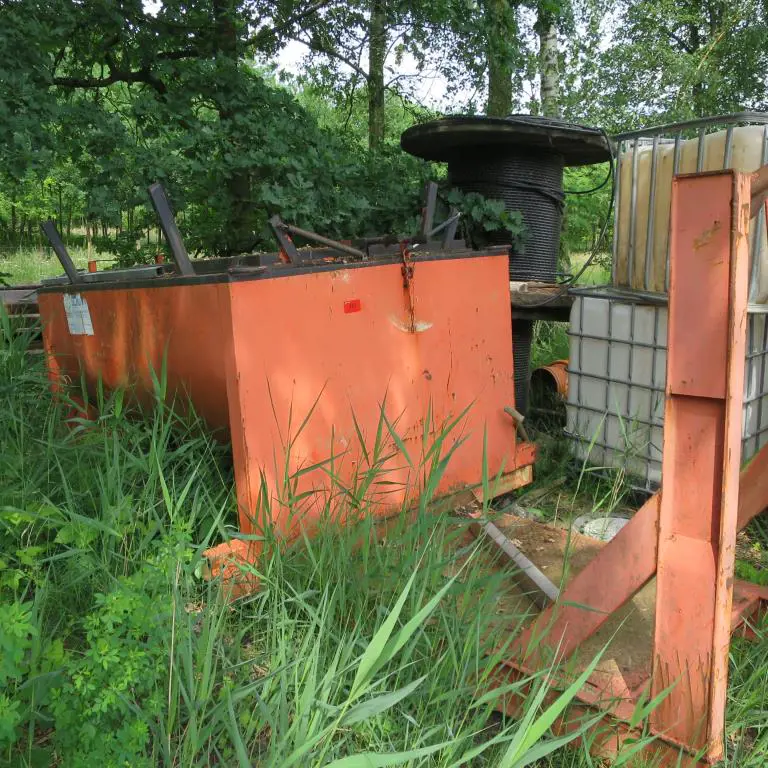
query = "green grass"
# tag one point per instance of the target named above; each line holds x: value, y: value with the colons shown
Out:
x: 30, y: 265
x: 116, y: 652
x: 354, y: 651
x: 597, y: 273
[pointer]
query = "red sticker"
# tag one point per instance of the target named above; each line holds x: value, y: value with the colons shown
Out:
x: 351, y: 305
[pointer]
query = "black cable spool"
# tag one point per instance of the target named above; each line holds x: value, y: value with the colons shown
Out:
x: 522, y: 337
x: 526, y: 181
x: 520, y: 160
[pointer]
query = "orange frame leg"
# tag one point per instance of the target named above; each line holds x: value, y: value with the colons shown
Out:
x: 686, y: 534
x: 698, y: 514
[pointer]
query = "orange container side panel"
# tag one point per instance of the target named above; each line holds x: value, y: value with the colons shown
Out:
x: 316, y: 377
x: 131, y: 332
x: 300, y: 364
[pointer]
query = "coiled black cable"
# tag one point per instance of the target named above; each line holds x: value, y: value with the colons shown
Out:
x: 526, y: 180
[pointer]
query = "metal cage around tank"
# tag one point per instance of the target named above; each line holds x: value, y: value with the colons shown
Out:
x: 617, y: 379
x: 618, y: 332
x: 646, y: 161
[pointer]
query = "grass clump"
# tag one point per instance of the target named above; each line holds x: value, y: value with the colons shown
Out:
x: 28, y: 265
x: 360, y: 648
x: 356, y: 650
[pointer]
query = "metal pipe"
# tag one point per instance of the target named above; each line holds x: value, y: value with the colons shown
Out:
x: 700, y: 149
x: 650, y: 228
x: 428, y: 214
x: 335, y: 244
x: 616, y: 210
x: 171, y: 231
x: 737, y: 117
x: 49, y: 228
x: 632, y: 218
x: 757, y: 234
x: 452, y: 220
x: 542, y: 590
x: 451, y: 225
x: 728, y: 151
x: 518, y: 418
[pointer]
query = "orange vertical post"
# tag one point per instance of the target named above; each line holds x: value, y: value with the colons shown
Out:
x: 702, y: 447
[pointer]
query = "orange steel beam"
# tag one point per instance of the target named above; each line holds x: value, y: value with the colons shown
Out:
x: 589, y: 599
x: 698, y: 512
x: 686, y: 535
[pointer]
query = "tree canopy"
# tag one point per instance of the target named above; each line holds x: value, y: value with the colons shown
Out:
x: 98, y: 98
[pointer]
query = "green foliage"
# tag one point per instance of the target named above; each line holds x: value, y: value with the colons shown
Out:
x: 665, y: 61
x: 353, y: 649
x: 585, y: 213
x: 116, y: 683
x: 750, y: 572
x: 16, y: 633
x: 481, y: 215
x: 231, y: 145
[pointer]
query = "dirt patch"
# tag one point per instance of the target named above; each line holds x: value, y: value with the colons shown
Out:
x: 628, y: 634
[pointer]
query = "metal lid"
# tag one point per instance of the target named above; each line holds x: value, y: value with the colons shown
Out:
x: 442, y: 139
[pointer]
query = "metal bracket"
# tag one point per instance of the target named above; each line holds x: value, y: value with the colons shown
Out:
x: 288, y: 252
x: 171, y: 231
x: 283, y: 231
x: 49, y: 228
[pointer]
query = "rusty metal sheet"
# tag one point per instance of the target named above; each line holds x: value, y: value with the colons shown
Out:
x: 259, y: 355
x: 699, y: 501
x: 435, y: 344
x: 129, y: 333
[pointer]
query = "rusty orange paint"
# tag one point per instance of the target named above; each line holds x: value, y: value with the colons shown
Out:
x: 138, y: 333
x: 591, y: 597
x: 753, y: 488
x: 303, y: 386
x: 700, y: 466
x: 687, y: 531
x: 440, y: 345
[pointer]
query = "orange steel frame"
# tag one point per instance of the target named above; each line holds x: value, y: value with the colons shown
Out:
x: 685, y: 535
x: 257, y: 354
x: 421, y: 341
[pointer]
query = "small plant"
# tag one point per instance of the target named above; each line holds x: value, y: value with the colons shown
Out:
x: 480, y: 215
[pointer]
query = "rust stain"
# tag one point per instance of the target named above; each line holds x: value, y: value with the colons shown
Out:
x: 416, y: 326
x: 707, y: 235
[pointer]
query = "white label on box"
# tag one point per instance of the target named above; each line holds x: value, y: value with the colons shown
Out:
x: 78, y: 315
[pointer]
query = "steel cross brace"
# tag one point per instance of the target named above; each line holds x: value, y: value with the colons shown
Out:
x: 685, y: 535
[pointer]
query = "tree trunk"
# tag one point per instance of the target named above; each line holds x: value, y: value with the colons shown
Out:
x: 549, y: 76
x: 377, y: 51
x: 498, y: 16
x: 238, y: 231
x: 13, y: 220
x: 697, y: 86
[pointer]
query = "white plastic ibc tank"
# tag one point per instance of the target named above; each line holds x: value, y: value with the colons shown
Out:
x: 640, y: 251
x: 617, y: 375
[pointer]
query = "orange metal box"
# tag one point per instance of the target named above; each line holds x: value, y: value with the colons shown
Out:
x: 298, y: 363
